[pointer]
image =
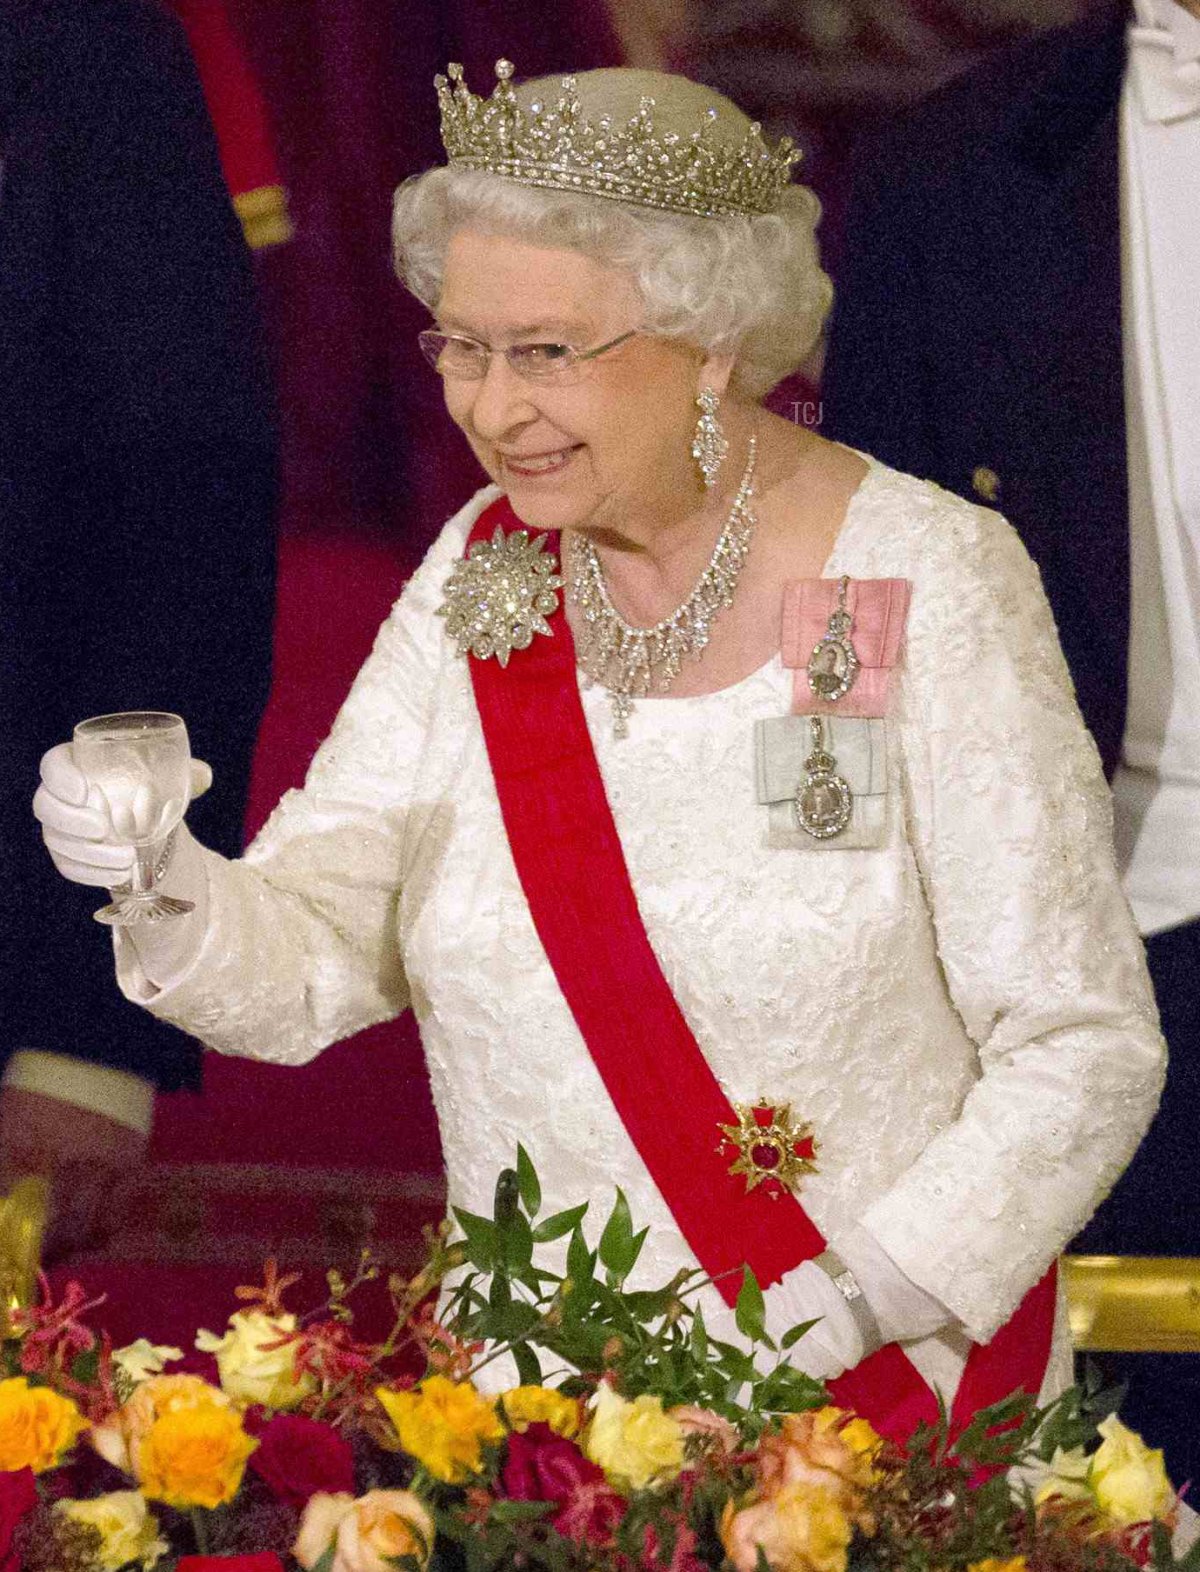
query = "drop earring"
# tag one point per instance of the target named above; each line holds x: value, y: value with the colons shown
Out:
x: 710, y: 444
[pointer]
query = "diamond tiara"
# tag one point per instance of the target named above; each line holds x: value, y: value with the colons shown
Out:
x: 555, y: 145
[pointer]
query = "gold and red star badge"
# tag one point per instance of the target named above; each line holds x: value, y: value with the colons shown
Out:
x: 771, y: 1144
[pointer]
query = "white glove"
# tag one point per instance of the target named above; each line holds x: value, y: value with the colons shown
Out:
x: 88, y: 848
x: 78, y: 827
x: 835, y: 1344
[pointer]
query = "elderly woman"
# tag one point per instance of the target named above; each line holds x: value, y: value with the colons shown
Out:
x: 716, y: 796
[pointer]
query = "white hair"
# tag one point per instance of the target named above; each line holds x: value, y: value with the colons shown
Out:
x: 753, y: 287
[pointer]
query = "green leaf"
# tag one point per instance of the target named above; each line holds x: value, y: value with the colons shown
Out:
x: 616, y: 1242
x: 325, y: 1564
x: 516, y: 1320
x: 639, y: 1239
x: 499, y: 1293
x: 480, y: 1235
x: 527, y: 1184
x: 750, y: 1310
x: 559, y: 1224
x: 520, y: 1511
x: 515, y: 1243
x: 650, y: 1305
x: 699, y: 1337
x: 581, y: 1262
x: 507, y: 1196
x: 794, y: 1333
x: 528, y: 1367
x: 85, y: 1367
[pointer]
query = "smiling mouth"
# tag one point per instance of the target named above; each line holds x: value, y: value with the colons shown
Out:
x: 538, y: 463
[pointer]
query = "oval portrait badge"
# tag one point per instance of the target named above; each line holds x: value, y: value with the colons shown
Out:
x: 832, y: 667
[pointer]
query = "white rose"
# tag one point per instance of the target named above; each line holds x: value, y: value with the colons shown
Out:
x: 255, y: 1359
x: 143, y: 1359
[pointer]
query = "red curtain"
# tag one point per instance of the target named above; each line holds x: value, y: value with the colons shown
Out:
x: 349, y: 85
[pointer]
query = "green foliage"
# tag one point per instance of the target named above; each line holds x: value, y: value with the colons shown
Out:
x: 567, y: 1315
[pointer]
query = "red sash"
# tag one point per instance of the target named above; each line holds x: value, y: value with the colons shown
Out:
x: 572, y: 869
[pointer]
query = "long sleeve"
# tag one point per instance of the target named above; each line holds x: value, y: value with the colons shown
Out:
x: 302, y: 945
x: 1010, y: 823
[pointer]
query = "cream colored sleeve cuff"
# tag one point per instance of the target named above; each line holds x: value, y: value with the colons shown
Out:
x: 116, y: 1094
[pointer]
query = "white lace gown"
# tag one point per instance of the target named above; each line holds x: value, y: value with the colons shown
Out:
x: 962, y: 1011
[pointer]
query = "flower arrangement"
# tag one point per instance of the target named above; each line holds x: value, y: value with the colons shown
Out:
x: 627, y: 1439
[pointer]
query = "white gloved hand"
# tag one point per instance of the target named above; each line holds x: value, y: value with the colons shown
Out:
x: 835, y: 1344
x: 84, y: 842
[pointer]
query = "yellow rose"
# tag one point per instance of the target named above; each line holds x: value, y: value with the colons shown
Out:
x: 998, y: 1564
x: 368, y: 1535
x: 1064, y: 1478
x: 635, y: 1443
x: 128, y: 1531
x: 1128, y: 1478
x: 119, y: 1439
x: 195, y: 1457
x: 799, y: 1529
x: 444, y: 1425
x: 256, y: 1360
x: 36, y: 1426
x: 523, y: 1406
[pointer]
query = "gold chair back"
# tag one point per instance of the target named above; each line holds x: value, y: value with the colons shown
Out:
x: 23, y: 1214
x: 1134, y: 1304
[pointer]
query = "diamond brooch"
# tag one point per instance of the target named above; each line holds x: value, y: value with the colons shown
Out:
x: 500, y: 594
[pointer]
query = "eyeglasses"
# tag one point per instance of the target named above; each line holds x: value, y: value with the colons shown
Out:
x: 453, y: 355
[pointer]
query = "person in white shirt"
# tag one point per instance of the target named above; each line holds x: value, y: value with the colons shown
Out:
x: 1018, y: 318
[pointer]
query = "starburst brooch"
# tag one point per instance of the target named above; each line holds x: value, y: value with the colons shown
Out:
x: 500, y: 594
x: 770, y: 1145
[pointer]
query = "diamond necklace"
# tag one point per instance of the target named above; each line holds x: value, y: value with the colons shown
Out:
x: 631, y: 662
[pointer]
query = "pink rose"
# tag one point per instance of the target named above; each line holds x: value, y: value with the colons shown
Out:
x: 702, y: 1422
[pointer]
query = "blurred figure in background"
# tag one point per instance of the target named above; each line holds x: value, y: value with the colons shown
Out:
x: 137, y: 501
x: 1019, y: 319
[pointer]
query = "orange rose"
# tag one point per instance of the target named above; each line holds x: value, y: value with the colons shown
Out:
x: 36, y: 1426
x: 825, y: 1448
x: 801, y: 1528
x: 119, y: 1439
x: 194, y: 1456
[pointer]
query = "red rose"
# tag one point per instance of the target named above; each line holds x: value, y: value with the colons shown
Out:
x: 298, y: 1456
x: 591, y: 1514
x: 542, y: 1466
x: 683, y: 1557
x: 18, y: 1495
x: 267, y: 1563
